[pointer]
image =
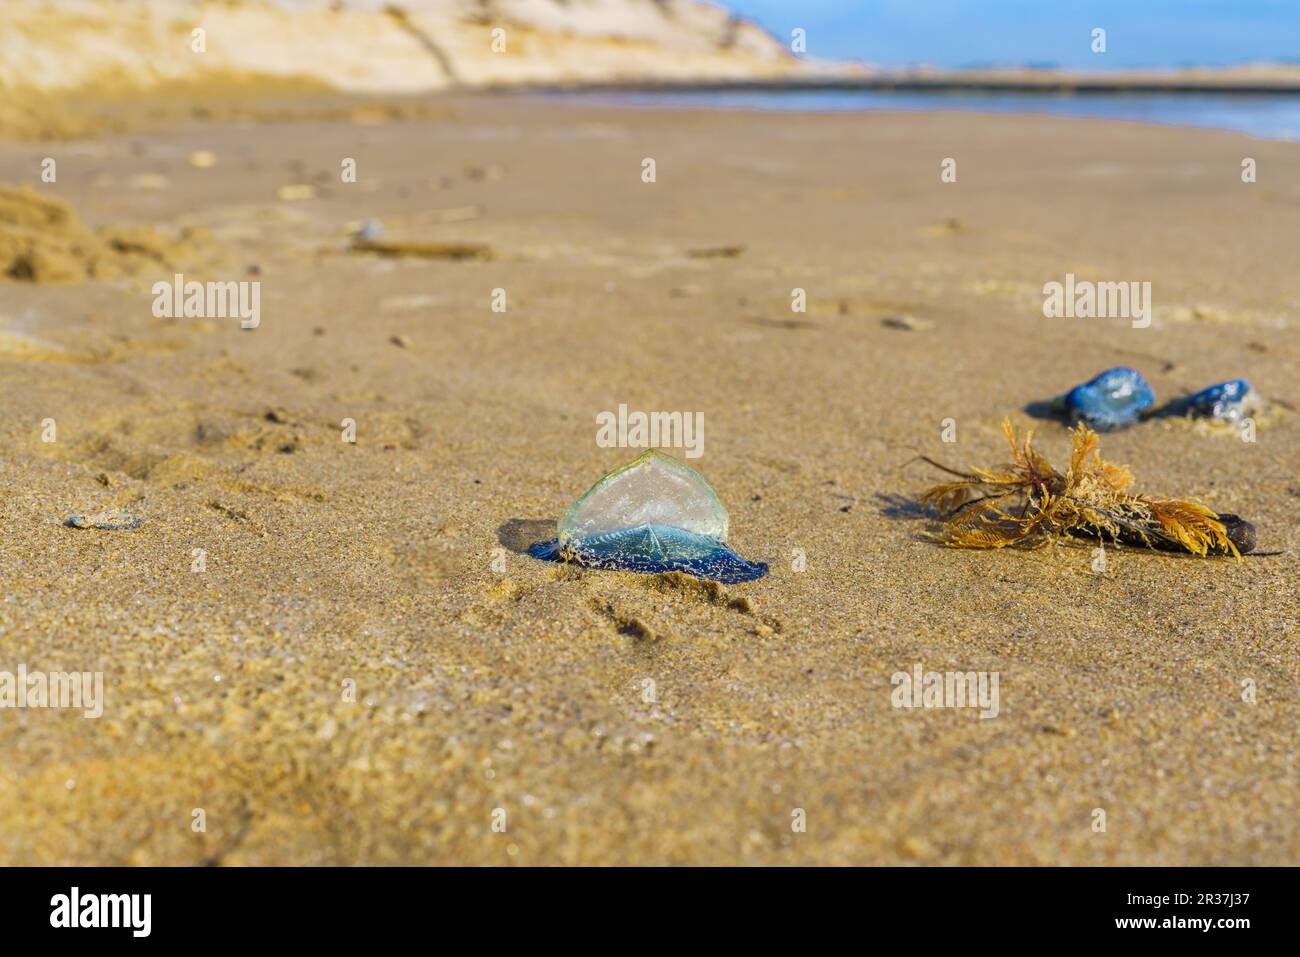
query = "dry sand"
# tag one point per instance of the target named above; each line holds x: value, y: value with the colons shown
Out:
x: 524, y: 689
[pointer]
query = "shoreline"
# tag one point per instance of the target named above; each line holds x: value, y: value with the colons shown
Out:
x: 60, y: 119
x: 1047, y: 84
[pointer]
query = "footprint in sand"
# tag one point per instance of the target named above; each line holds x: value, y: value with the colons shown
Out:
x: 948, y: 227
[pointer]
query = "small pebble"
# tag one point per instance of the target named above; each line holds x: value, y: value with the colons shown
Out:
x: 485, y: 173
x: 371, y: 229
x: 1239, y: 531
x: 907, y: 323
x: 109, y: 520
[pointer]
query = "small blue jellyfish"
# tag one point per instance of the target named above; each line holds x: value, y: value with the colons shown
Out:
x: 1114, y: 399
x: 1228, y: 401
x: 652, y: 515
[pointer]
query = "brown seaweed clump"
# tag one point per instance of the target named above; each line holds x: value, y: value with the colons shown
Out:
x: 1028, y: 503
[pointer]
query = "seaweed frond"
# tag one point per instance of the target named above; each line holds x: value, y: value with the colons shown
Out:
x: 949, y: 496
x: 1196, y: 527
x: 1028, y: 503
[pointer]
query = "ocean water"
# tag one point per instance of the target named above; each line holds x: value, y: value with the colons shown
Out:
x: 1273, y: 116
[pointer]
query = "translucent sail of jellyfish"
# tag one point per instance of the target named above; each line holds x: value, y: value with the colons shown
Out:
x: 652, y: 515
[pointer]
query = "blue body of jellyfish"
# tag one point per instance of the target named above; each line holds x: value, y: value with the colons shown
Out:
x: 652, y: 549
x: 1113, y: 399
x: 1229, y: 400
x: 654, y: 514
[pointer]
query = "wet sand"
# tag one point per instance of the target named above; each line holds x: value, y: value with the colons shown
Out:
x: 379, y: 562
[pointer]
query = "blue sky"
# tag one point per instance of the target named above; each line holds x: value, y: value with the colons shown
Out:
x: 1139, y: 33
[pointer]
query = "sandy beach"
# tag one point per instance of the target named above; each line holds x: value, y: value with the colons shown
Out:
x: 618, y: 718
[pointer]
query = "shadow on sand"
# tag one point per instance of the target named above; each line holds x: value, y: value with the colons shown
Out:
x: 518, y: 533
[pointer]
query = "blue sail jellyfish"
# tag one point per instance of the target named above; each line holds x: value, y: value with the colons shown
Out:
x: 1112, y: 399
x: 1228, y: 401
x: 652, y: 515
